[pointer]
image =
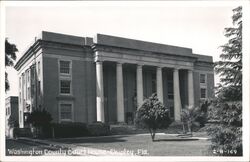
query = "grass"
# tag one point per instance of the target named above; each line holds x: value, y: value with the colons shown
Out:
x: 143, y: 145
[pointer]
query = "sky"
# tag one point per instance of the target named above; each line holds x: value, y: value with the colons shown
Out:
x: 192, y: 25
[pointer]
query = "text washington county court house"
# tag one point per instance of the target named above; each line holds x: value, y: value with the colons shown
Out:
x: 106, y: 78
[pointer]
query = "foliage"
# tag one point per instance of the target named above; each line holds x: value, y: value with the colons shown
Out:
x: 22, y: 132
x: 226, y: 133
x: 69, y: 129
x: 188, y: 118
x: 13, y: 122
x: 153, y: 115
x: 10, y: 57
x: 203, y: 112
x: 194, y: 117
x: 230, y: 66
x: 98, y: 129
x: 39, y: 118
x: 226, y: 110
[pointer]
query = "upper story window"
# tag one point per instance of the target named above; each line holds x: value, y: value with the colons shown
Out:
x: 65, y: 86
x: 203, y: 86
x: 65, y: 67
x: 202, y: 78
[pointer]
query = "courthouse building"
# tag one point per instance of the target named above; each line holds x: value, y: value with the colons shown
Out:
x: 106, y: 78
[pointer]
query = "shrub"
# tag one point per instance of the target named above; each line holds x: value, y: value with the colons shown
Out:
x: 22, y: 132
x: 153, y: 115
x: 40, y: 120
x: 13, y: 122
x: 66, y: 130
x: 99, y: 129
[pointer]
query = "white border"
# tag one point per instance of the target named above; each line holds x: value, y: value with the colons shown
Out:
x: 246, y: 51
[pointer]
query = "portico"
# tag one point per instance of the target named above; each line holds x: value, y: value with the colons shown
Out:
x: 154, y: 66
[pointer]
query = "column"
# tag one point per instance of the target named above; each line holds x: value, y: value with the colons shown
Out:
x: 119, y: 92
x: 99, y: 92
x: 139, y: 85
x: 159, y: 88
x: 177, y: 97
x: 190, y: 89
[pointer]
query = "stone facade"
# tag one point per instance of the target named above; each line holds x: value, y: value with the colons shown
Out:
x: 11, y: 116
x: 80, y: 79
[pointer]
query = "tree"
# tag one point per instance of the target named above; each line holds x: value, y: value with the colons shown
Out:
x: 40, y: 119
x: 226, y: 110
x: 230, y: 66
x: 10, y: 57
x: 189, y: 115
x: 153, y: 115
x: 226, y: 131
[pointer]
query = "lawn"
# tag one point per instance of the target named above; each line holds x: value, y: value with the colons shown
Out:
x: 143, y: 145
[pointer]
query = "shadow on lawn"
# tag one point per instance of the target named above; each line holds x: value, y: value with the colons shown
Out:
x: 104, y: 139
x: 176, y: 139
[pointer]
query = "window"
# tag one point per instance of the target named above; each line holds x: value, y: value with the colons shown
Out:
x: 202, y: 78
x: 65, y: 67
x: 65, y: 86
x: 153, y: 83
x: 203, y: 92
x: 66, y: 112
x: 65, y: 77
x: 170, y: 90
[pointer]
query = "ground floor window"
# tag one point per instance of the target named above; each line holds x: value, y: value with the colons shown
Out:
x: 66, y: 111
x: 170, y: 90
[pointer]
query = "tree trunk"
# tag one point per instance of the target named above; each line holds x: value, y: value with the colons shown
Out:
x: 183, y: 128
x: 152, y: 133
x: 189, y: 127
x: 153, y: 136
